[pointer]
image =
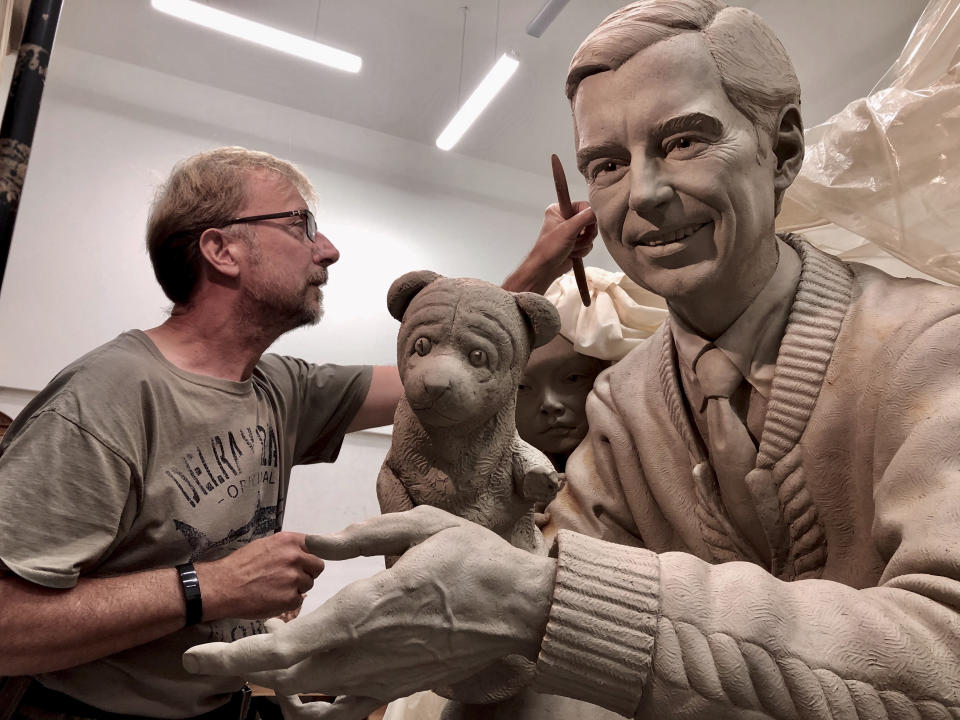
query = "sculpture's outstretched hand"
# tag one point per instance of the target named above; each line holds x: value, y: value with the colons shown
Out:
x: 345, y: 708
x: 459, y: 598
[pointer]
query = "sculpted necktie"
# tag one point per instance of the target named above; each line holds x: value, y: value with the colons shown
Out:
x: 732, y: 452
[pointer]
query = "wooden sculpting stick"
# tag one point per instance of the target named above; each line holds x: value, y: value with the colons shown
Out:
x: 566, y: 210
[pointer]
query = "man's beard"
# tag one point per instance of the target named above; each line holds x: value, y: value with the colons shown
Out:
x: 278, y: 311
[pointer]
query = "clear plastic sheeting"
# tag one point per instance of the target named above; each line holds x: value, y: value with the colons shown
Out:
x: 887, y: 167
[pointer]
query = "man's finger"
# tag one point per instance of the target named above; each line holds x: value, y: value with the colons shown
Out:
x: 390, y: 534
x: 304, y: 586
x: 577, y: 222
x: 312, y: 564
x: 581, y: 252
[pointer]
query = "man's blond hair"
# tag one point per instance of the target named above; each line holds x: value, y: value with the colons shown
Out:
x: 204, y: 191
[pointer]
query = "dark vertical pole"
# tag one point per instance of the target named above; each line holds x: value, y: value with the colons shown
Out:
x: 20, y: 115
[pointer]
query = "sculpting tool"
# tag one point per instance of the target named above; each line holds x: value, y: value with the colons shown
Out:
x: 567, y: 211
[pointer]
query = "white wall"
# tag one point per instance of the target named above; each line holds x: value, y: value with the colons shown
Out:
x: 78, y: 272
x: 108, y: 134
x: 328, y: 497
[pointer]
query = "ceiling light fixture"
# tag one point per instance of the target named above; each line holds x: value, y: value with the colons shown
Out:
x: 547, y: 14
x: 488, y: 88
x: 260, y: 34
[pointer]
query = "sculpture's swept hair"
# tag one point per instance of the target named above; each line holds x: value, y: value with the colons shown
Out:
x: 203, y: 191
x: 754, y: 67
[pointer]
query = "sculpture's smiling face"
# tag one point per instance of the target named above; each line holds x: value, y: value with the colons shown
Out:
x: 682, y: 186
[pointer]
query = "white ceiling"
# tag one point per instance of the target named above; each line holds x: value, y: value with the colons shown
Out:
x: 411, y: 52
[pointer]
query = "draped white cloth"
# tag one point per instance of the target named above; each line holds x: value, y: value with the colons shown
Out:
x: 620, y: 315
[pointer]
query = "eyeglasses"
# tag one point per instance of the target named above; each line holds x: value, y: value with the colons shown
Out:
x: 309, y: 222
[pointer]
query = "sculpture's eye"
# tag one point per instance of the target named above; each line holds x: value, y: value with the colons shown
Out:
x: 478, y: 358
x: 421, y: 346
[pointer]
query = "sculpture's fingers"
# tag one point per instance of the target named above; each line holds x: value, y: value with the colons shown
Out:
x: 293, y: 709
x: 320, y: 673
x: 273, y: 624
x: 347, y: 707
x: 390, y: 534
x: 275, y: 650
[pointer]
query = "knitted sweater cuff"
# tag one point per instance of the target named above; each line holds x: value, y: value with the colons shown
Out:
x: 598, y: 646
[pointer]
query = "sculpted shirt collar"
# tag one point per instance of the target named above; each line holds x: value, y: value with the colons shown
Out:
x: 752, y: 342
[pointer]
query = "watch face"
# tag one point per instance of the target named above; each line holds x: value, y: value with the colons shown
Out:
x: 191, y: 593
x: 188, y: 576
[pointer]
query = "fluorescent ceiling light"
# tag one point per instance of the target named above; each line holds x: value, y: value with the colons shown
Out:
x: 547, y: 15
x: 257, y: 33
x: 481, y: 97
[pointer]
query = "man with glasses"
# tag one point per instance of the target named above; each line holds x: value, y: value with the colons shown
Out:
x: 143, y: 490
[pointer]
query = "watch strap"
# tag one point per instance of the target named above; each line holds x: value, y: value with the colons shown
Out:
x: 191, y: 593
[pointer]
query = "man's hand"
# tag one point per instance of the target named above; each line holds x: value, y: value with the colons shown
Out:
x: 459, y: 598
x: 559, y: 241
x: 264, y: 578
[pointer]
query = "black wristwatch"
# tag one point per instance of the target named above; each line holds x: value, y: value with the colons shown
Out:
x: 191, y: 593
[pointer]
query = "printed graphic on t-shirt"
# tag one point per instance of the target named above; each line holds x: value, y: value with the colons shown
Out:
x: 226, y: 466
x: 216, y: 479
x: 263, y: 523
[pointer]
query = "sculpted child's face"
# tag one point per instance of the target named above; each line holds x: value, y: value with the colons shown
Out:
x: 552, y: 396
x: 682, y: 187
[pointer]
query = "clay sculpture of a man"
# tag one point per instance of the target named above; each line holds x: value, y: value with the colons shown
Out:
x: 767, y: 503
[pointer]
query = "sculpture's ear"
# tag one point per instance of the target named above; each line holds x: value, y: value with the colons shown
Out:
x: 542, y: 316
x: 788, y: 147
x: 405, y: 288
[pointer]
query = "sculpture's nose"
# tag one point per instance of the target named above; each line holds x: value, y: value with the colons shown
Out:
x: 436, y: 385
x: 551, y: 405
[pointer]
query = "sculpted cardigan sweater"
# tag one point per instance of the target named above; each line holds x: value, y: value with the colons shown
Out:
x: 857, y: 486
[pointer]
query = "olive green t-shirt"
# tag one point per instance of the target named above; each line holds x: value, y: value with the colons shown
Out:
x: 125, y: 463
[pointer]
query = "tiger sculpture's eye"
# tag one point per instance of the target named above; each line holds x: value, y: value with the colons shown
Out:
x: 421, y: 346
x: 478, y: 358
